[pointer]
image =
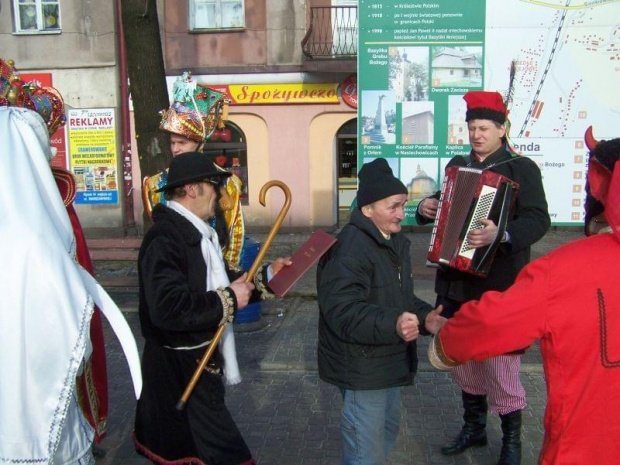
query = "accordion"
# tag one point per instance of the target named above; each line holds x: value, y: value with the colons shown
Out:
x: 467, y: 196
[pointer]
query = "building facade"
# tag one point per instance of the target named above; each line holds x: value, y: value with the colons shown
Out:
x: 289, y: 67
x: 71, y: 45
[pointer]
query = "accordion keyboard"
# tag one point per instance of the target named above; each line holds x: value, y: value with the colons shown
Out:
x: 481, y: 211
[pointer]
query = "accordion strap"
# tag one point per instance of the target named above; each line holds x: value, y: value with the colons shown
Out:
x: 493, y: 165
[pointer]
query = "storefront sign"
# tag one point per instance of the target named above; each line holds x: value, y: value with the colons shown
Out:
x: 280, y: 94
x: 348, y: 91
x: 92, y: 145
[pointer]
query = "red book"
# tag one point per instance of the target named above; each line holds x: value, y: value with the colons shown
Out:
x: 303, y: 259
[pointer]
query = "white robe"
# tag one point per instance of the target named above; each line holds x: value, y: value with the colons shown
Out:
x: 46, y: 304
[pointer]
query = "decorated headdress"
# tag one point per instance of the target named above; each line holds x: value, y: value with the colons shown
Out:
x: 196, y: 110
x: 603, y: 183
x: 184, y: 121
x: 46, y: 101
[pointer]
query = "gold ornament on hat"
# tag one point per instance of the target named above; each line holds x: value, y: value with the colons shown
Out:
x: 183, y: 121
x: 196, y: 111
x: 44, y: 100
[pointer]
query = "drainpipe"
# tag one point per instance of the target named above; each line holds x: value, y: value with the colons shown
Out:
x: 125, y: 123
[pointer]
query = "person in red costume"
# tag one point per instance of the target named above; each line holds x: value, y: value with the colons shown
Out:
x: 569, y: 300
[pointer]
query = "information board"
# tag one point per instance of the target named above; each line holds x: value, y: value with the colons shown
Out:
x: 418, y: 59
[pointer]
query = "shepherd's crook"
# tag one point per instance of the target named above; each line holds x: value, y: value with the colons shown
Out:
x: 259, y: 258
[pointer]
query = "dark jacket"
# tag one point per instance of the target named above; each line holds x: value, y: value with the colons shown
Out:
x: 529, y: 223
x: 177, y: 312
x: 364, y: 284
x: 174, y: 309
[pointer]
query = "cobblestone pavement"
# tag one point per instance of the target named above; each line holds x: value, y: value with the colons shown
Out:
x: 288, y: 416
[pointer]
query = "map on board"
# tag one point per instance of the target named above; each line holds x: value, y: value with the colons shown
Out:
x: 417, y: 60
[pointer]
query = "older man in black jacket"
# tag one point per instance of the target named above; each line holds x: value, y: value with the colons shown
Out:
x: 370, y: 317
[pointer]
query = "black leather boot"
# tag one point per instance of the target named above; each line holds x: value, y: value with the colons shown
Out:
x: 511, y: 441
x: 473, y: 433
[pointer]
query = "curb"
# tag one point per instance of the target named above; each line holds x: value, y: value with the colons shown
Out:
x: 293, y: 367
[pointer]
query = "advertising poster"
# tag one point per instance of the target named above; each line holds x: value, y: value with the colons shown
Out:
x: 418, y: 59
x: 92, y: 148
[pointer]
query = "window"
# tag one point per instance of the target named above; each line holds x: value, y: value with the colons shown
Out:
x: 227, y: 148
x: 36, y: 16
x: 216, y: 14
x: 347, y: 150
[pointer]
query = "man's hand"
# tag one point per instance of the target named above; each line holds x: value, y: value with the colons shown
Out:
x: 407, y: 327
x: 428, y: 208
x: 434, y: 321
x: 484, y: 236
x: 242, y: 290
x: 280, y: 263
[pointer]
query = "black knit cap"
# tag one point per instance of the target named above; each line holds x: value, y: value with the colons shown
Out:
x: 191, y: 167
x: 376, y: 182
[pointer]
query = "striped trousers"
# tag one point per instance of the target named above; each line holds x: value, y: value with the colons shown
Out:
x: 497, y: 378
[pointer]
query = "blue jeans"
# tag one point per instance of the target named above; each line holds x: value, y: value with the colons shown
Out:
x: 369, y: 425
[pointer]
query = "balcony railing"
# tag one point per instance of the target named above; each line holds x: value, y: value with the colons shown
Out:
x: 332, y: 33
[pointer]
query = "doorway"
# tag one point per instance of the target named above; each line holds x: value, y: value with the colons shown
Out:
x: 227, y: 148
x: 346, y: 153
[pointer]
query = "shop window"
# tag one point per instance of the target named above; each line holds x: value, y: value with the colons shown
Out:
x: 347, y: 150
x: 346, y: 153
x: 228, y: 149
x: 216, y: 14
x: 36, y: 16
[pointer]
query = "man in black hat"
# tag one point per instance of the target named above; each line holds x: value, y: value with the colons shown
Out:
x: 496, y: 379
x: 370, y: 317
x: 186, y: 293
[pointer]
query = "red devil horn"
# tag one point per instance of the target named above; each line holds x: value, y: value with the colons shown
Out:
x: 591, y: 142
x: 599, y: 178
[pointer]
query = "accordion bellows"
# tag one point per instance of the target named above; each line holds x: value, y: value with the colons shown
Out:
x: 467, y: 196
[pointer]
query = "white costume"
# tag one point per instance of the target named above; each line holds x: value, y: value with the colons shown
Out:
x: 46, y: 301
